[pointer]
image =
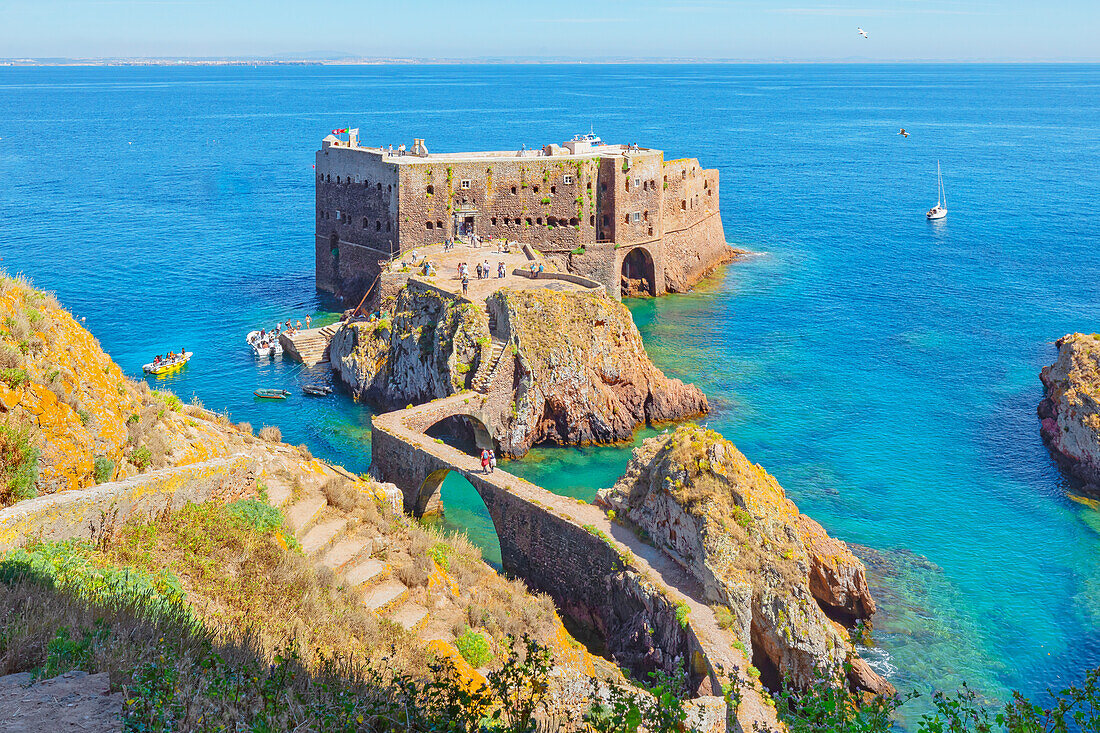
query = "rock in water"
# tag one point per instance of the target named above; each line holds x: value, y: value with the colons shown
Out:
x: 1070, y: 411
x: 788, y: 586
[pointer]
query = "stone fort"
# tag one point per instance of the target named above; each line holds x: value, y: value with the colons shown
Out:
x: 619, y: 214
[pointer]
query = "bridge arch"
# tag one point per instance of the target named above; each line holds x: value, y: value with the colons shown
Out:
x: 639, y: 273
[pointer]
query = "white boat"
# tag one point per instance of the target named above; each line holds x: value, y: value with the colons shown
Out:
x: 264, y: 345
x: 939, y: 211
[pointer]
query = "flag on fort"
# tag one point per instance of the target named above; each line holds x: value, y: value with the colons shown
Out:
x: 339, y: 131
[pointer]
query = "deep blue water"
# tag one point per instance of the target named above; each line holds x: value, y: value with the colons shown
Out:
x: 883, y: 368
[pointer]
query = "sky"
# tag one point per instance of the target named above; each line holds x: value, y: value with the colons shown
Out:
x: 744, y: 30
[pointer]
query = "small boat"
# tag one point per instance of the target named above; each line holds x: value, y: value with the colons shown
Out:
x: 316, y: 390
x: 939, y: 211
x: 272, y: 394
x: 265, y: 344
x: 162, y: 366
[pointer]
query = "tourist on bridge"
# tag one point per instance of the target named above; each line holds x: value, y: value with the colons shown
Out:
x: 492, y: 462
x: 484, y: 461
x: 307, y: 321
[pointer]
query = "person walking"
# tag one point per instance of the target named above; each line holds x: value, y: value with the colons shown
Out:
x: 492, y: 462
x: 308, y: 319
x: 500, y: 269
x: 485, y: 269
x: 484, y: 461
x: 465, y: 284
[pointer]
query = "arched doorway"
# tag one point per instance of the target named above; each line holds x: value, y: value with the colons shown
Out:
x: 637, y: 275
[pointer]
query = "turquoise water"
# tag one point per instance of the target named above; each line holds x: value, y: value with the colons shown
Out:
x: 883, y: 368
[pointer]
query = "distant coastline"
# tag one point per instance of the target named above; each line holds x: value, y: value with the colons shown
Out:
x: 337, y: 60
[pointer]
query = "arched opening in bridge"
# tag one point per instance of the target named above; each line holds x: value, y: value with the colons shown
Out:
x: 462, y: 432
x: 638, y: 274
x: 457, y: 507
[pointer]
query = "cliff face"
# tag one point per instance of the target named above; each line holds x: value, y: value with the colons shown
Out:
x: 787, y: 584
x: 581, y: 374
x: 1070, y: 411
x: 430, y: 346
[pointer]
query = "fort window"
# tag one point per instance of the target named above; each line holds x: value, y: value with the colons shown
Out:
x: 553, y: 189
x: 592, y: 220
x: 573, y: 222
x: 636, y: 217
x: 378, y: 225
x: 493, y: 220
x: 535, y: 189
x: 439, y: 225
x: 637, y: 182
x: 538, y: 220
x: 567, y: 179
x: 328, y: 178
x: 528, y: 221
x: 683, y: 205
x: 389, y: 188
x: 513, y: 190
x: 430, y: 190
x: 626, y: 218
x: 365, y: 222
x: 387, y: 226
x: 465, y: 183
x: 651, y: 231
x: 337, y: 215
x: 379, y: 186
x: 551, y: 221
x: 430, y: 225
x: 589, y: 185
x: 645, y: 214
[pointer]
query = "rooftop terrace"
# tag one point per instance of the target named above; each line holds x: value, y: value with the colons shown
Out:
x: 583, y: 146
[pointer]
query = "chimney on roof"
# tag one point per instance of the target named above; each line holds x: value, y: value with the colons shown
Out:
x: 419, y: 148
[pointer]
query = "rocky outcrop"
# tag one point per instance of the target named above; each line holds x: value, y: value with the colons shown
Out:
x: 581, y: 373
x: 785, y: 583
x: 428, y: 347
x: 573, y: 369
x: 1070, y: 410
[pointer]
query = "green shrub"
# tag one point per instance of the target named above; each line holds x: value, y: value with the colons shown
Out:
x: 13, y: 377
x: 135, y: 418
x: 104, y: 469
x: 474, y: 648
x: 85, y: 416
x: 579, y: 250
x: 18, y: 465
x: 546, y: 200
x: 682, y: 611
x: 170, y: 400
x: 440, y: 553
x: 262, y: 517
x: 141, y: 457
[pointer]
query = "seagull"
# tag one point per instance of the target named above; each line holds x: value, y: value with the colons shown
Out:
x: 862, y: 33
x: 903, y: 133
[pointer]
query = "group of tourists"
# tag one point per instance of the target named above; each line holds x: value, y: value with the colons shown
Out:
x: 488, y: 461
x: 536, y: 268
x: 172, y: 356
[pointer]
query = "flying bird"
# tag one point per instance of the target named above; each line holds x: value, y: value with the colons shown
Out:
x: 862, y: 32
x: 903, y: 133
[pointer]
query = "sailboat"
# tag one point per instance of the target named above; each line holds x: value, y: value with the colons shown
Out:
x: 939, y: 211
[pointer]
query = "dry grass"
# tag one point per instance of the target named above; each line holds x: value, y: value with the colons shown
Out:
x: 303, y: 451
x: 244, y: 427
x: 341, y: 493
x: 271, y: 434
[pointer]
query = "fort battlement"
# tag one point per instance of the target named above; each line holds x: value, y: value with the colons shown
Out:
x: 619, y: 214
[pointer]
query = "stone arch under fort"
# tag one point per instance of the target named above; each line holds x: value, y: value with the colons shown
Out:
x: 638, y: 273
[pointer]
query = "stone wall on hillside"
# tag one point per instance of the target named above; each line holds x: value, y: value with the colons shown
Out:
x: 93, y: 512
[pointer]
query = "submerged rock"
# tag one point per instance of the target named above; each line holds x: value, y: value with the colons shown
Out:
x: 788, y: 587
x: 1070, y: 411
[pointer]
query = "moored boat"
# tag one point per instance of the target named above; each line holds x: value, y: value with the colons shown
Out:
x: 316, y: 390
x: 939, y: 211
x: 272, y: 394
x: 264, y: 343
x: 162, y: 366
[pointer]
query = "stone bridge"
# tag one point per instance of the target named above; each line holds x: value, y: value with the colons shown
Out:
x: 618, y: 591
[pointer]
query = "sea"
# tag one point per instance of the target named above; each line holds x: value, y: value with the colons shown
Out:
x: 884, y: 368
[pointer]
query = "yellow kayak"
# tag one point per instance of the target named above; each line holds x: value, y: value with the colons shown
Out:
x: 166, y: 365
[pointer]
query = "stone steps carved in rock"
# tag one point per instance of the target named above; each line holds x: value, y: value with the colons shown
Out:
x: 344, y: 550
x: 321, y: 534
x: 385, y: 595
x: 301, y: 514
x: 409, y: 616
x: 278, y: 491
x: 367, y: 571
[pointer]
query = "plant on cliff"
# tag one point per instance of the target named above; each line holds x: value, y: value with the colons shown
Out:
x: 18, y: 465
x: 141, y: 457
x: 682, y: 612
x: 474, y: 648
x: 622, y: 710
x: 103, y: 469
x: 13, y: 377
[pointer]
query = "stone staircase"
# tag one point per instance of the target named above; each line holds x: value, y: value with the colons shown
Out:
x: 484, y: 377
x: 349, y: 552
x: 309, y: 346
